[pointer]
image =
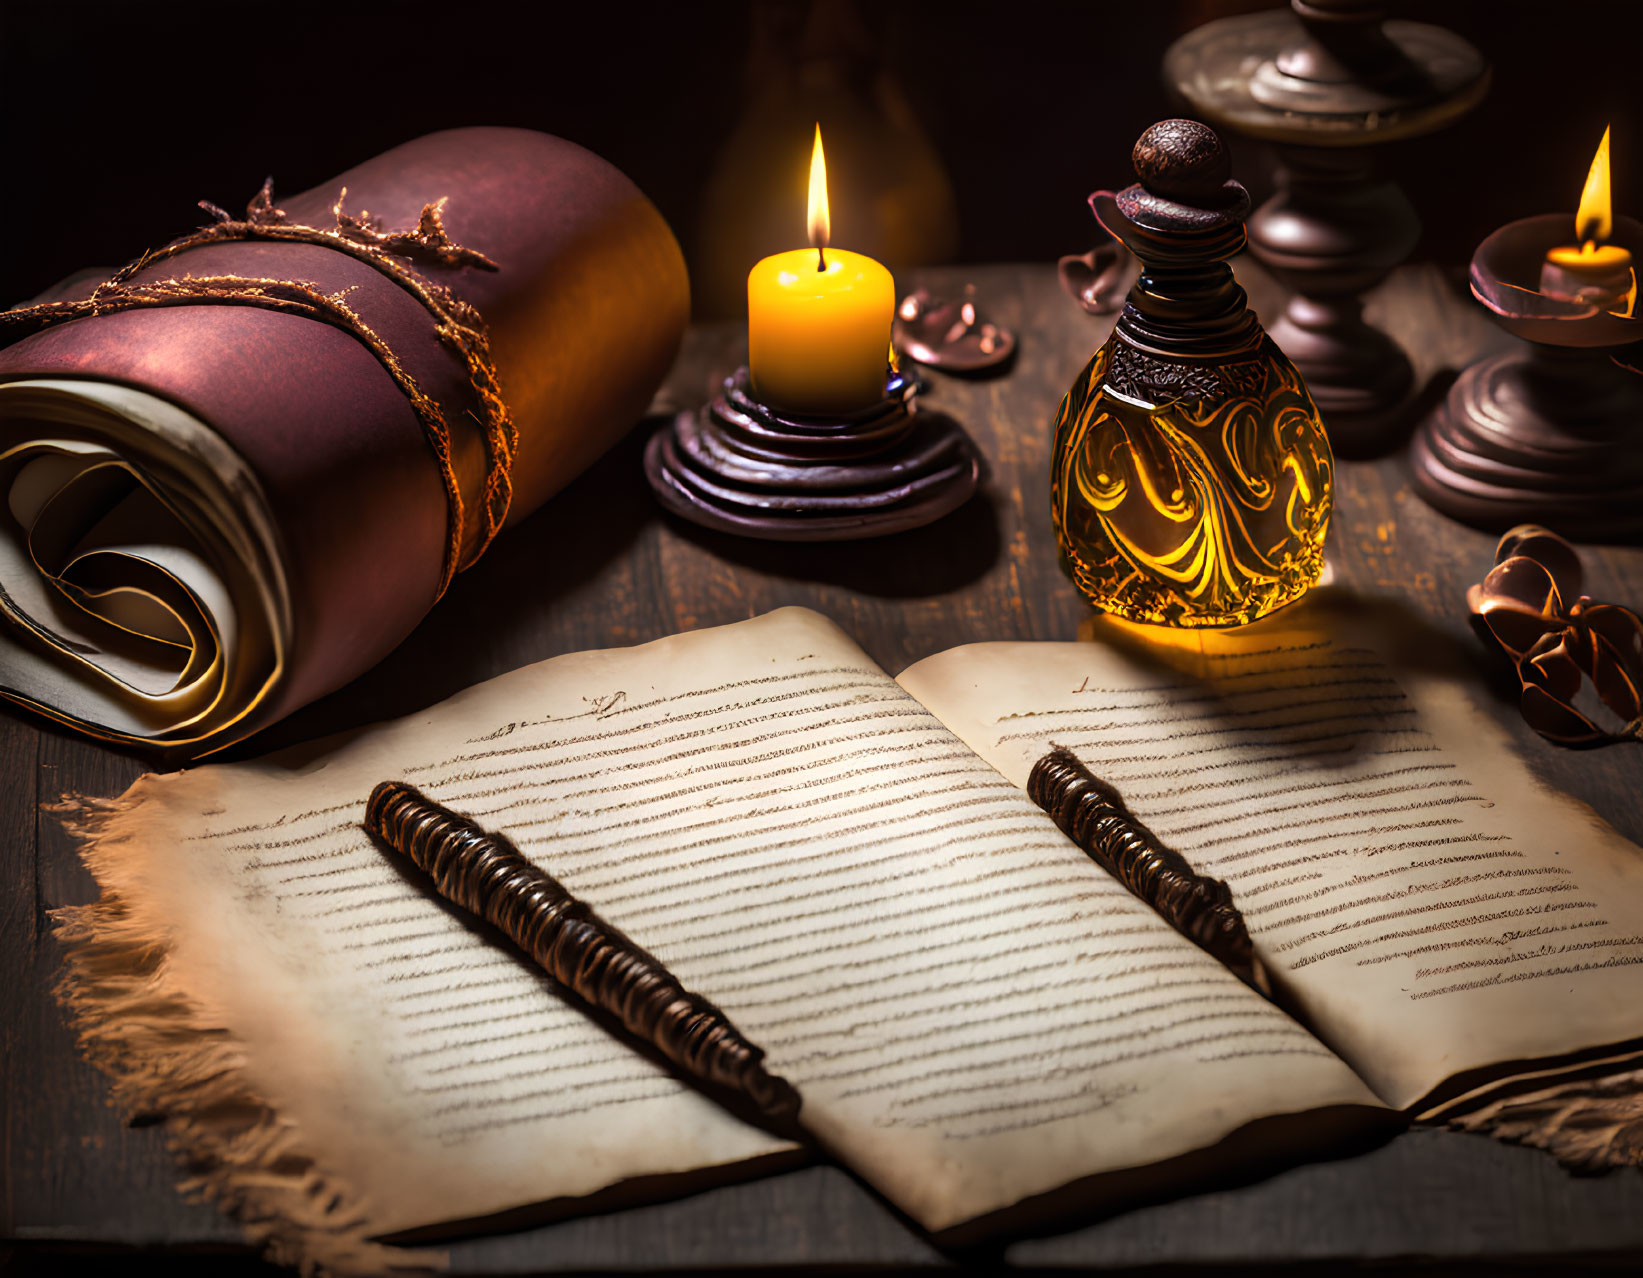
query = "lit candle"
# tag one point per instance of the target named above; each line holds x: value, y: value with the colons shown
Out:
x: 1593, y: 271
x: 818, y: 320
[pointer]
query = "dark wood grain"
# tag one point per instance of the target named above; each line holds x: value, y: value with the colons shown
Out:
x: 600, y: 567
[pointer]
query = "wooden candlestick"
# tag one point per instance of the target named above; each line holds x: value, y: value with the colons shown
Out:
x: 1331, y: 79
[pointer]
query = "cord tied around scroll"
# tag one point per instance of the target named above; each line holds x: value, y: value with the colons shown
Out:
x: 458, y: 325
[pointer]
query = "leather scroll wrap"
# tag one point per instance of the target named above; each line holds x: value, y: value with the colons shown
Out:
x: 486, y: 875
x: 1532, y: 606
x: 239, y: 471
x: 1093, y: 815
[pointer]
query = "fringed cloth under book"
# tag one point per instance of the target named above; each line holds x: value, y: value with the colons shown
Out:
x: 1588, y: 1124
x: 169, y: 1055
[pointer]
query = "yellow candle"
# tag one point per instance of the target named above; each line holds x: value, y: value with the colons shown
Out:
x: 818, y: 320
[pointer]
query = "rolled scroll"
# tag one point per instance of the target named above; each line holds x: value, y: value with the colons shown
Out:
x: 239, y: 473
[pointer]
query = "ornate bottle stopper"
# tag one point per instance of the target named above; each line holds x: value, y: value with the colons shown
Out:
x: 1191, y: 477
x: 1325, y: 81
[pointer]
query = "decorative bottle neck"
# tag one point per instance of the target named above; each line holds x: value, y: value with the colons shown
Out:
x: 1185, y: 301
x: 1196, y: 310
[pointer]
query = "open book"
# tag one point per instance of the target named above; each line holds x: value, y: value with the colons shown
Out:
x: 973, y: 1012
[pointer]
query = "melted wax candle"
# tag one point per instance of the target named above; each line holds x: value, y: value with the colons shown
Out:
x: 818, y: 320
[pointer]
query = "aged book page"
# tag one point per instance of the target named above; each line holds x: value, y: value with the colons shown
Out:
x: 424, y: 1070
x: 972, y: 1012
x: 1434, y: 908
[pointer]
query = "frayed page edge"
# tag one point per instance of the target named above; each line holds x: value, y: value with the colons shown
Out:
x: 1591, y: 1125
x: 165, y: 1058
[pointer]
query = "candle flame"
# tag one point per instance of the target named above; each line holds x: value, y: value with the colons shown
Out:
x: 1594, y: 220
x: 820, y: 224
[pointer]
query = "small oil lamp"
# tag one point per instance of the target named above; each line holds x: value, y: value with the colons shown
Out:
x: 1548, y: 435
x: 1592, y: 270
x: 821, y: 440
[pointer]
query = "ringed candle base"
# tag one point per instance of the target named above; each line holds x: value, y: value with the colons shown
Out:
x: 743, y: 467
x: 1548, y: 437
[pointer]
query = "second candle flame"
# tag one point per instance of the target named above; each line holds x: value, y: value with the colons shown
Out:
x: 1594, y: 220
x: 820, y: 224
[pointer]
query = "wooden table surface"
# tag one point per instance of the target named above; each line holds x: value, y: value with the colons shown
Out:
x: 601, y: 567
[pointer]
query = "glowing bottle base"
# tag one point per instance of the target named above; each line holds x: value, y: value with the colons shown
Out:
x: 1188, y: 493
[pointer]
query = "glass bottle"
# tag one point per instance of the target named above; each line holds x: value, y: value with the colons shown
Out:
x: 1191, y: 478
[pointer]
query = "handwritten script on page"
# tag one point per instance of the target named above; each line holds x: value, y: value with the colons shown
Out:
x: 972, y: 1012
x: 1434, y: 907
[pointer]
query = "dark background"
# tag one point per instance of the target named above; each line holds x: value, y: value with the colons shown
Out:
x: 116, y: 118
x: 120, y: 116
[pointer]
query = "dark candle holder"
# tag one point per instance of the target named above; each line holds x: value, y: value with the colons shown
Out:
x: 1546, y: 435
x: 1324, y: 83
x: 744, y: 467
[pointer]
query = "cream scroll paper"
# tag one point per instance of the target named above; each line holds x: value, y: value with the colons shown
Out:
x: 140, y: 572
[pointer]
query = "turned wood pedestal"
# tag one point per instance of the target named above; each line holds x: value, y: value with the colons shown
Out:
x: 1330, y: 80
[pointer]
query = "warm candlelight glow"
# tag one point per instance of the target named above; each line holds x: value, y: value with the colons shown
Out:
x: 1594, y: 257
x: 821, y: 224
x: 1591, y: 270
x: 1594, y: 220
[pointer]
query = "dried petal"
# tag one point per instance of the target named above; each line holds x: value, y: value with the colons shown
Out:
x: 1556, y: 720
x: 1555, y: 555
x: 1617, y: 658
x: 1530, y: 604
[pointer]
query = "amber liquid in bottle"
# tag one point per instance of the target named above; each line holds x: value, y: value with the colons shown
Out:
x: 1205, y: 505
x: 1191, y: 478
